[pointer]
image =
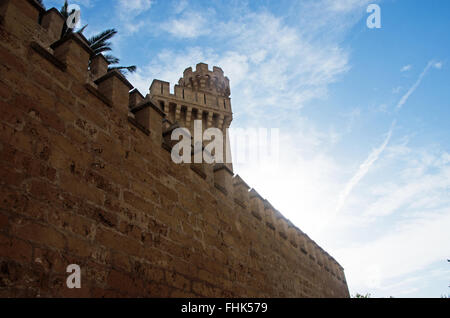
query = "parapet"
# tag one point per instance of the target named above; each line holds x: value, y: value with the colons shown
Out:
x: 201, y: 95
x: 202, y: 79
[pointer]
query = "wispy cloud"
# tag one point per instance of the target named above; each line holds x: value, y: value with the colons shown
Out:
x: 134, y: 7
x: 191, y: 24
x: 347, y: 5
x: 180, y: 5
x: 406, y: 213
x: 406, y: 68
x: 258, y: 51
x: 438, y: 65
x: 129, y: 11
x: 407, y: 248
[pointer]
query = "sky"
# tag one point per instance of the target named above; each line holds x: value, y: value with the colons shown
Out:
x: 363, y: 115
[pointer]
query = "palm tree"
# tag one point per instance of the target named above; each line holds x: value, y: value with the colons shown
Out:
x: 65, y: 13
x: 99, y: 43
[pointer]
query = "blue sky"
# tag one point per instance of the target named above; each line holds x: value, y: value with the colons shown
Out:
x: 363, y: 116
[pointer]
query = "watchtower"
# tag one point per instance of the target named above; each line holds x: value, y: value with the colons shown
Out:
x: 200, y: 95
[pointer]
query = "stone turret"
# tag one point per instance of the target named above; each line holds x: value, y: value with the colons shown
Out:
x: 200, y: 95
x: 206, y: 81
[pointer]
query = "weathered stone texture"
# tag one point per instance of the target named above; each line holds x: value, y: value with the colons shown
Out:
x: 84, y: 182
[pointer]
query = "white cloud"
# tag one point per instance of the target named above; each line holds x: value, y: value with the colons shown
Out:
x: 168, y: 66
x: 191, y: 24
x: 347, y: 5
x: 134, y: 7
x: 406, y: 68
x: 180, y: 6
x: 399, y: 222
x: 408, y: 248
x: 438, y: 65
x: 134, y: 27
x: 421, y: 184
x: 128, y: 12
x: 275, y: 67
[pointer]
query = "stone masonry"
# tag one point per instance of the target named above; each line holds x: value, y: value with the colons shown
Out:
x: 87, y: 179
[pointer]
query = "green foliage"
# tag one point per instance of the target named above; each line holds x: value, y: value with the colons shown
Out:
x: 99, y: 43
x: 41, y: 2
x: 122, y: 69
x: 358, y: 295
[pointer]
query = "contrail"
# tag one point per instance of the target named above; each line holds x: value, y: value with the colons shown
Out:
x: 375, y: 154
x: 414, y: 87
x: 363, y: 169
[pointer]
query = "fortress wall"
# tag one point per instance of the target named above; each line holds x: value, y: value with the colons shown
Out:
x: 84, y: 181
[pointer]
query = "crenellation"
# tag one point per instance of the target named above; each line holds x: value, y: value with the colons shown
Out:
x: 201, y: 68
x: 135, y: 98
x: 293, y: 237
x: 98, y: 66
x: 256, y: 205
x: 303, y: 242
x: 223, y: 177
x: 128, y: 195
x: 21, y: 18
x: 241, y: 192
x: 269, y: 215
x: 150, y: 117
x: 319, y: 255
x: 75, y: 53
x: 160, y: 88
x: 52, y: 21
x: 340, y: 272
x: 114, y: 86
x: 282, y: 227
x: 329, y: 265
x: 312, y: 253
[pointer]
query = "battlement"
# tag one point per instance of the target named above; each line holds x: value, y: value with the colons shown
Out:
x: 187, y: 104
x: 202, y: 79
x: 94, y: 182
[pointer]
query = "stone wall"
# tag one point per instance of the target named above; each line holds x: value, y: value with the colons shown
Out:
x: 84, y: 181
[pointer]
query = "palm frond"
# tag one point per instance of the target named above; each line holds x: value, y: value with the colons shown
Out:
x: 102, y: 37
x: 112, y: 59
x: 101, y: 50
x: 41, y: 2
x: 82, y: 29
x: 65, y: 9
x: 124, y: 69
x: 100, y: 45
